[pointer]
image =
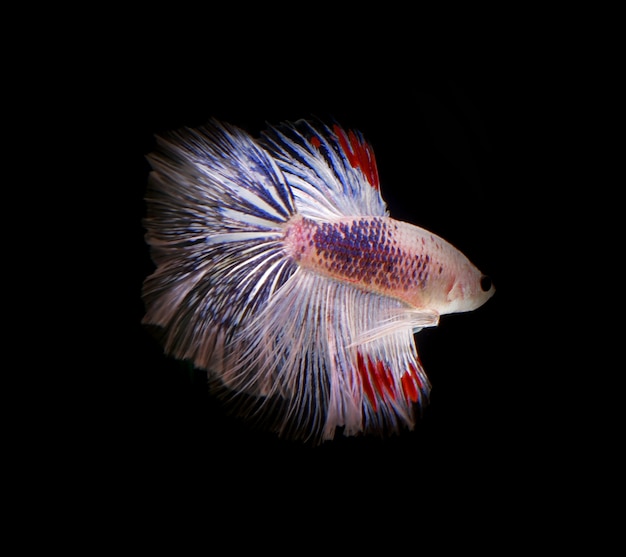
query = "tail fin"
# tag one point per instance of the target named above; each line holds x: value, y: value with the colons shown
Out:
x: 216, y: 206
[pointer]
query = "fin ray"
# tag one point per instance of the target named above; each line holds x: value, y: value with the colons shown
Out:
x: 217, y: 204
x: 301, y: 353
x: 325, y: 179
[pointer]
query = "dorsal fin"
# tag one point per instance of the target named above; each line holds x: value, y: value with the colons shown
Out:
x: 359, y: 153
x: 332, y: 172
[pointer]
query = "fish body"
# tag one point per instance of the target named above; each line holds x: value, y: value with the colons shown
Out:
x: 280, y: 272
x: 390, y: 258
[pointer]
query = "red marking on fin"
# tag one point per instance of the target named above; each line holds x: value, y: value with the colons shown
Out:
x: 378, y: 383
x: 367, y: 386
x: 359, y: 154
x: 315, y: 141
x: 409, y: 387
x: 385, y: 373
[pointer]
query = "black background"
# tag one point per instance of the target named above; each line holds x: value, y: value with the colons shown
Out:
x: 466, y: 147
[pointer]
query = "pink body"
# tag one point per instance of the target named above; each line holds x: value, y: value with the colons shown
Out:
x: 391, y: 258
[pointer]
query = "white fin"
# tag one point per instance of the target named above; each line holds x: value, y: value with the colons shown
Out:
x: 332, y: 172
x: 217, y: 204
x: 405, y: 318
x: 302, y: 364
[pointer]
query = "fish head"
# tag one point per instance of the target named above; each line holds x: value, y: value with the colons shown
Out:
x: 467, y: 289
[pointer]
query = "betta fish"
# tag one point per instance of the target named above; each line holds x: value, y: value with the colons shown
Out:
x: 280, y: 272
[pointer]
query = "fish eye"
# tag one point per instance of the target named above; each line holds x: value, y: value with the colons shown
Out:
x: 485, y: 283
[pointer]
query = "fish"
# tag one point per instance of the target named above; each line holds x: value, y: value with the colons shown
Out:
x: 279, y: 272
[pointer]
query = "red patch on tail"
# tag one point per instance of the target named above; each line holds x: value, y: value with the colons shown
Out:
x: 376, y: 378
x: 359, y: 154
x: 409, y: 387
x: 385, y: 378
x: 365, y: 380
x: 412, y: 384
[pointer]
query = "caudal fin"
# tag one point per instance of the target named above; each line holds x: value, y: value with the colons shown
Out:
x: 216, y: 206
